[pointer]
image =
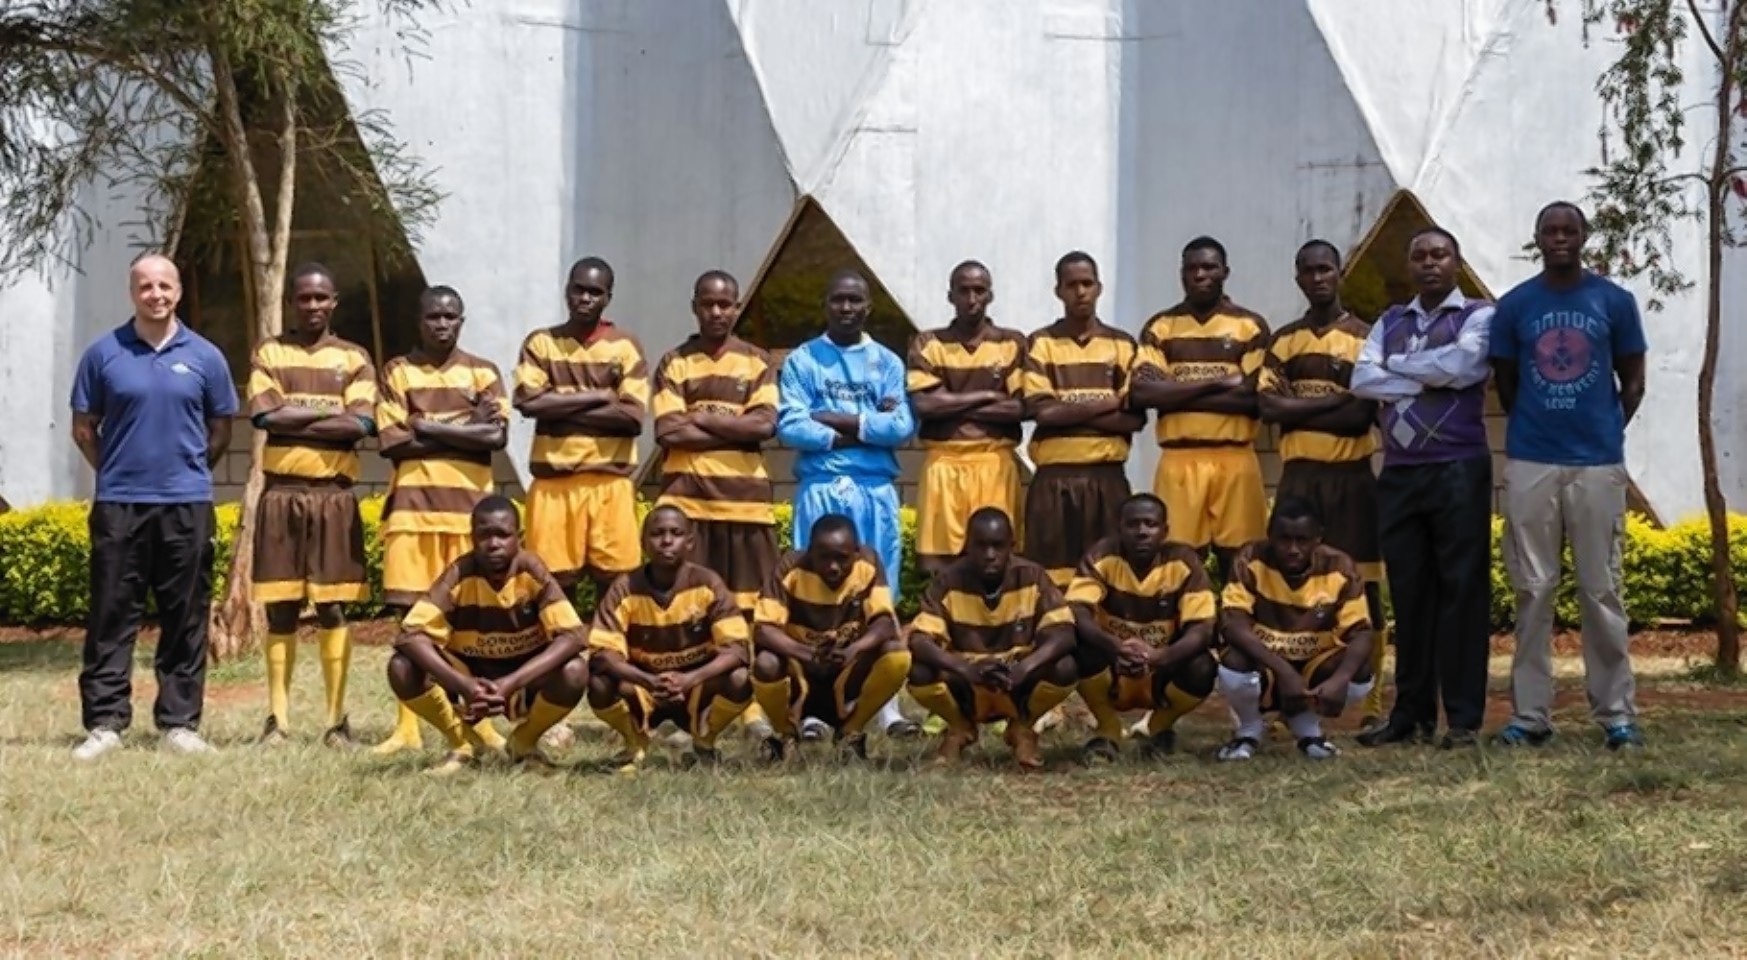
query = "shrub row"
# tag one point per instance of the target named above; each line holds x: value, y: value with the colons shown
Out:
x: 44, y: 566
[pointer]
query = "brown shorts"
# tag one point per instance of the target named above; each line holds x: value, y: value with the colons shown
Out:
x: 742, y: 554
x: 1068, y: 508
x: 1346, y: 493
x: 309, y: 543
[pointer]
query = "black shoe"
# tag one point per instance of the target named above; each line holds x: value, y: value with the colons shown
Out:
x: 1098, y: 750
x: 1161, y: 744
x: 1459, y: 740
x: 1392, y: 732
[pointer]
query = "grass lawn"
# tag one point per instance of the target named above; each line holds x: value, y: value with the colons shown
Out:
x: 1568, y: 851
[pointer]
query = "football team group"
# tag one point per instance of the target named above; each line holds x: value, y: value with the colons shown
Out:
x: 1142, y: 603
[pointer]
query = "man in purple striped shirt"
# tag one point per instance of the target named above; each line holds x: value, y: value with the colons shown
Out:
x: 1426, y: 365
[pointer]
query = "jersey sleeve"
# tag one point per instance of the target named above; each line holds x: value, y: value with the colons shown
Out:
x: 392, y: 413
x: 1052, y: 610
x: 1240, y: 590
x: 1502, y: 342
x: 668, y: 403
x: 1255, y: 356
x: 429, y: 616
x: 1151, y: 361
x: 1273, y: 379
x: 1196, y: 604
x: 488, y: 381
x: 923, y: 373
x: 1034, y: 377
x: 557, y: 615
x: 607, y: 632
x: 1014, y: 382
x: 930, y: 622
x: 1626, y: 325
x: 533, y: 374
x: 359, y: 396
x: 219, y: 391
x: 878, y: 601
x: 88, y: 392
x: 1088, y: 586
x: 1352, y: 612
x: 772, y: 607
x: 763, y: 395
x: 634, y: 386
x: 266, y: 393
x: 727, y: 624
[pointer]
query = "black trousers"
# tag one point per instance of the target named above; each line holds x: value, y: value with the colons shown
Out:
x: 1436, y: 528
x: 167, y: 549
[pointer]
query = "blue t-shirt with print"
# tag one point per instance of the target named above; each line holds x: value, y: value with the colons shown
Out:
x: 1564, y: 343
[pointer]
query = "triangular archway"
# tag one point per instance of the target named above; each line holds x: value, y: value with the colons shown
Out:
x: 785, y: 299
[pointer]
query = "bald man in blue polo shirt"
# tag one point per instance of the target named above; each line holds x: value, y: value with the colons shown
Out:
x: 152, y: 402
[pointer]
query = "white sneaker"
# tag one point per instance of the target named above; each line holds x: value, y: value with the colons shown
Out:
x: 97, y: 743
x: 760, y: 730
x: 814, y: 729
x: 186, y: 742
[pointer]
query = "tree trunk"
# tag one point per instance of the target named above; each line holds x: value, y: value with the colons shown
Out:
x: 1716, y: 507
x: 235, y: 621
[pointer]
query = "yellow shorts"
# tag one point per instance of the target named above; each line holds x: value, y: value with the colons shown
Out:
x: 584, y: 522
x: 1213, y: 494
x: 955, y: 484
x: 412, y: 560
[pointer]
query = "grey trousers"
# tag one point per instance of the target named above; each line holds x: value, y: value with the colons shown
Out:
x: 1546, y: 506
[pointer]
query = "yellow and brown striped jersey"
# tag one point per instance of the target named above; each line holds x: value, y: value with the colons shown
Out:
x: 435, y: 492
x: 729, y: 484
x: 798, y: 602
x: 1306, y: 362
x: 1155, y: 606
x: 1059, y: 367
x: 493, y: 630
x: 1298, y: 622
x: 334, y: 376
x: 608, y: 359
x: 1177, y: 345
x: 960, y: 615
x: 992, y: 359
x: 674, y: 630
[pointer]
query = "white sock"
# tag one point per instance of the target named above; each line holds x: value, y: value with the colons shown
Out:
x: 1243, y: 691
x: 1306, y: 724
x: 889, y: 714
x: 1357, y: 692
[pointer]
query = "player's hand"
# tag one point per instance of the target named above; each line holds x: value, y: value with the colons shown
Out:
x: 1292, y: 692
x: 1330, y: 696
x: 1016, y: 677
x: 484, y: 700
x: 1133, y: 657
x: 995, y: 674
x: 887, y: 404
x: 484, y: 410
x: 670, y: 686
x: 831, y: 654
x: 1233, y: 382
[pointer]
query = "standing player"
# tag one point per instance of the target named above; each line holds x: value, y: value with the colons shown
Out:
x: 827, y: 639
x: 994, y: 641
x: 1325, y: 431
x: 964, y: 383
x: 714, y: 405
x: 1144, y: 609
x: 1076, y: 388
x: 1297, y: 634
x: 152, y: 406
x: 668, y: 643
x: 495, y: 636
x: 1569, y: 350
x: 1199, y: 364
x: 442, y: 414
x: 843, y: 409
x: 585, y: 385
x: 315, y: 396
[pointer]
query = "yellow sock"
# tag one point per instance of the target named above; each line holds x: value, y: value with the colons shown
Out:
x: 406, y: 728
x: 1099, y: 692
x: 771, y: 700
x: 1177, y: 703
x: 281, y: 659
x: 336, y: 659
x: 542, y: 716
x: 434, y: 708
x: 720, y: 713
x: 884, y: 679
x: 1374, y: 699
x: 488, y: 735
x: 937, y: 699
x: 617, y: 716
x: 754, y: 712
x: 1044, y: 698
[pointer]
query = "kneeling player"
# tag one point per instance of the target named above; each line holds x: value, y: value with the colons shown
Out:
x: 668, y: 643
x: 827, y: 639
x: 1145, y: 613
x: 994, y: 641
x: 495, y: 636
x: 1297, y: 633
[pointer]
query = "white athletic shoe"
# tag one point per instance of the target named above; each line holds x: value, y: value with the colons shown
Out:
x: 760, y: 730
x: 186, y: 742
x: 1239, y: 749
x: 814, y: 729
x: 97, y: 743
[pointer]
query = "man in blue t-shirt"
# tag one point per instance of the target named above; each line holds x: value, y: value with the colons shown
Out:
x: 1568, y: 351
x: 152, y: 402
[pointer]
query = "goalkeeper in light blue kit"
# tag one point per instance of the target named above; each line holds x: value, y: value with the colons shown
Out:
x: 844, y: 409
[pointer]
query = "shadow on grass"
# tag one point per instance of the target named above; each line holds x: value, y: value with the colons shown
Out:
x: 40, y: 656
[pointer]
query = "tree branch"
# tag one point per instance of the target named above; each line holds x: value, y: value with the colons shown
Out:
x: 1704, y: 30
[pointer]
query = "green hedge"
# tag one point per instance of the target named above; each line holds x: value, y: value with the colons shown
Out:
x: 44, y: 566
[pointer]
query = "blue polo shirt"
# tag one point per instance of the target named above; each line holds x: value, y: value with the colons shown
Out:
x: 153, y: 406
